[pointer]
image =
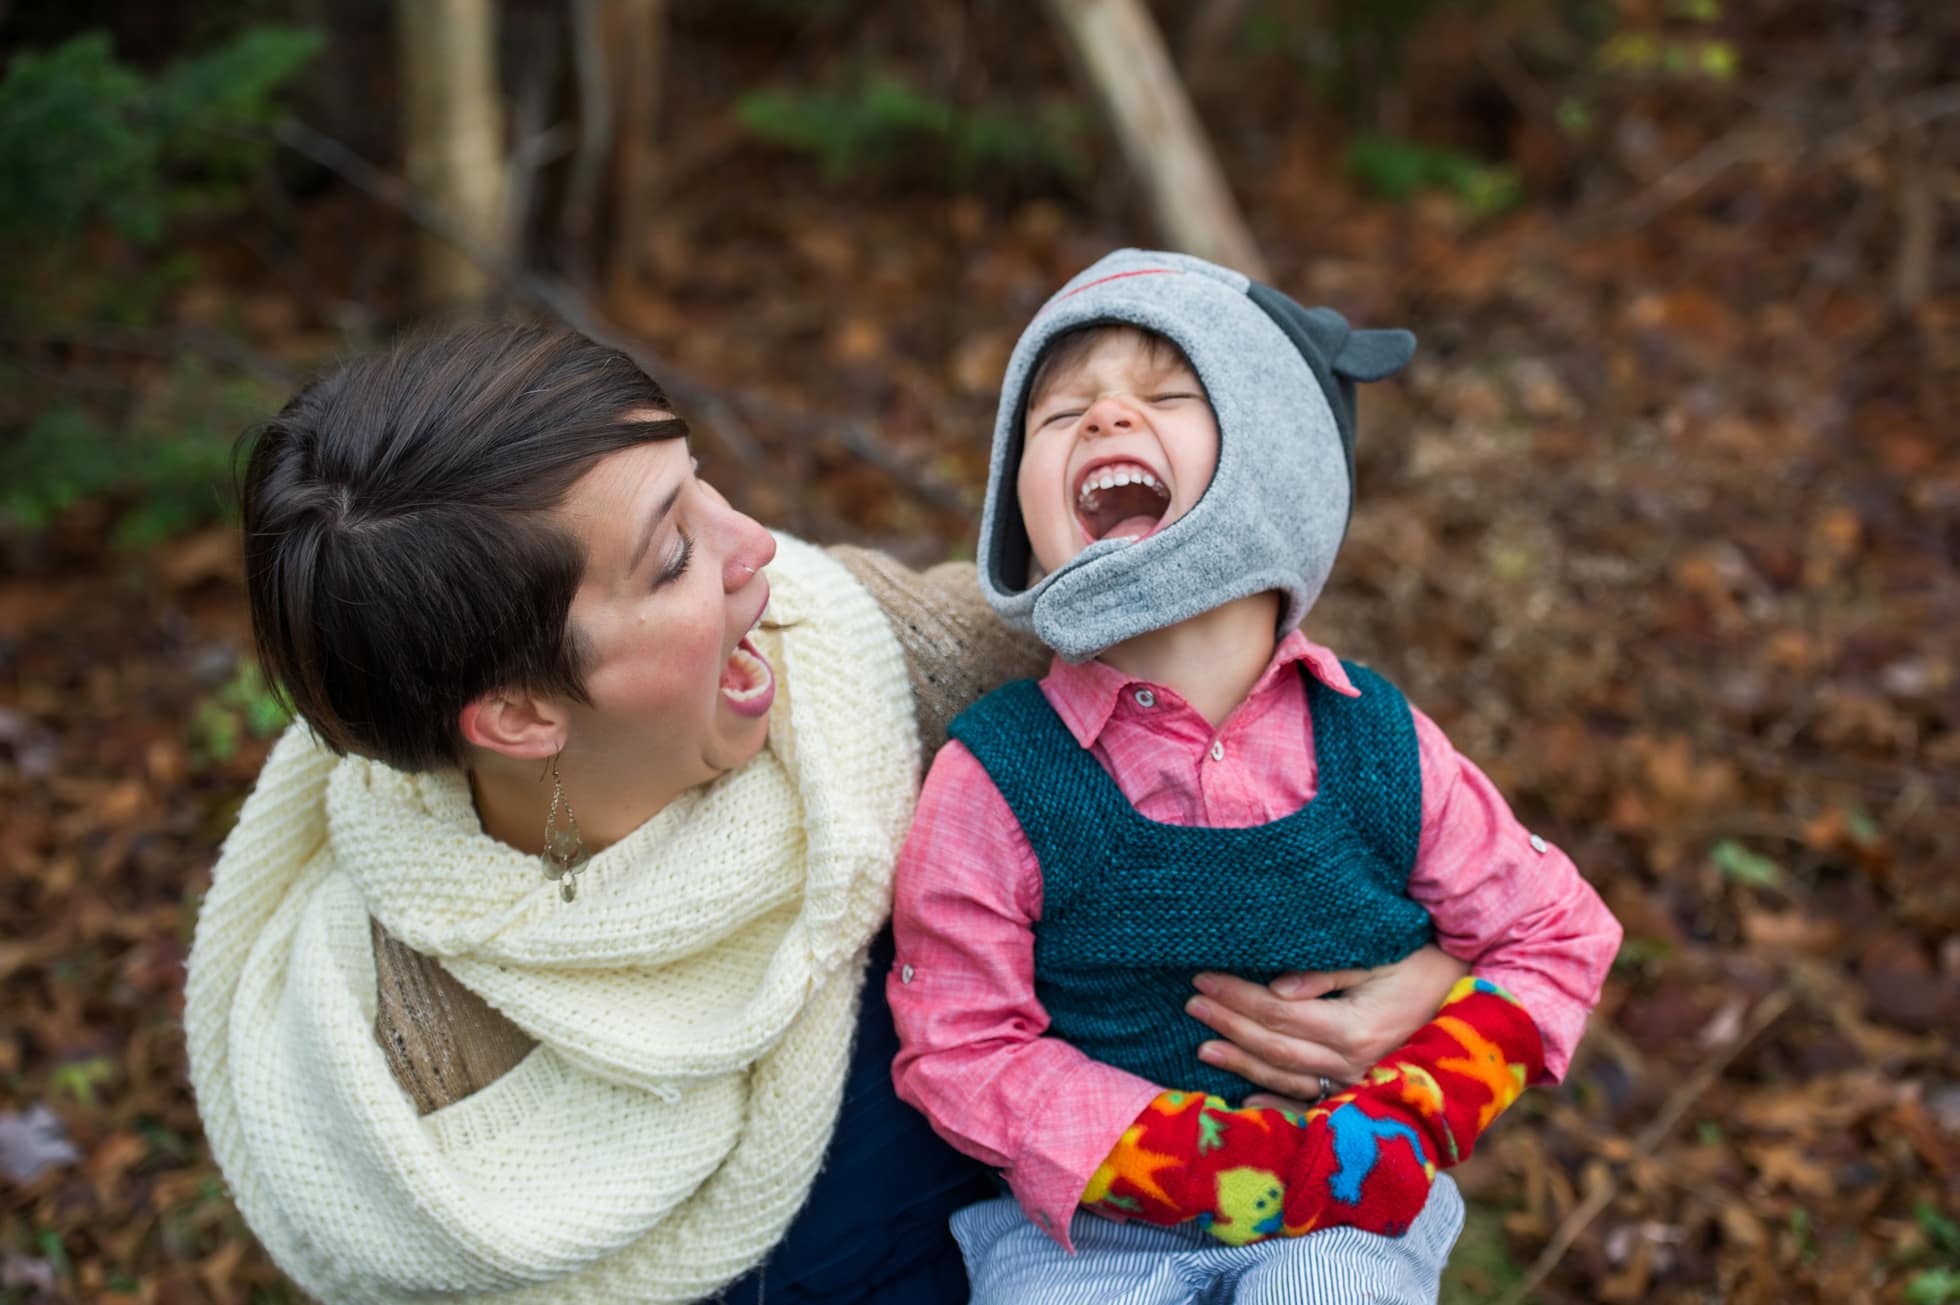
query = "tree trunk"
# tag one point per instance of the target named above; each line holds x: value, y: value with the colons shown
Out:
x: 1122, y: 53
x: 453, y: 139
x: 617, y: 53
x: 642, y: 55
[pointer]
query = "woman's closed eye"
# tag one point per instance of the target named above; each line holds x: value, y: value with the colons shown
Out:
x: 677, y: 559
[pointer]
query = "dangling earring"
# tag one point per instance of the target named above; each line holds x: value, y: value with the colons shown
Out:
x: 564, y: 851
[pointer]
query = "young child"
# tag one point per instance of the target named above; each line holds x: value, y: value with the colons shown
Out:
x: 1196, y: 786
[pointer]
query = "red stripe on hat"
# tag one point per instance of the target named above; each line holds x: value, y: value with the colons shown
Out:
x: 1118, y: 276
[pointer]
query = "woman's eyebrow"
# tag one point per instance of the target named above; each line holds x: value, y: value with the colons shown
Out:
x: 654, y: 519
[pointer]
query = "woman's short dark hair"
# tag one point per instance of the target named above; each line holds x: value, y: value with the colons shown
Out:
x: 401, y: 555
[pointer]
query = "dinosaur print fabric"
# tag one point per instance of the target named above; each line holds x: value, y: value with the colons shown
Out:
x: 1363, y: 1158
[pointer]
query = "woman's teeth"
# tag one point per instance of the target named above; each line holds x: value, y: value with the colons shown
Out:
x: 746, y: 675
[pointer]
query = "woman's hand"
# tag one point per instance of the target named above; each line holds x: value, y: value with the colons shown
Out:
x: 1286, y: 1037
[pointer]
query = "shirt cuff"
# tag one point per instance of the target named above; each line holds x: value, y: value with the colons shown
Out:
x: 1559, y: 1014
x: 1069, y: 1137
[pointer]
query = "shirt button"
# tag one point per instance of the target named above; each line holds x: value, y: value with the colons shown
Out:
x: 1145, y: 698
x: 905, y: 974
x: 1537, y: 844
x: 1217, y: 751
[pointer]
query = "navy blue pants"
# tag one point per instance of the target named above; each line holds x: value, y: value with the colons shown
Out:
x: 875, y: 1227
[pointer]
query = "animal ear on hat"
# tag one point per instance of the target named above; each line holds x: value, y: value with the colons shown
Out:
x: 1371, y: 355
x: 1357, y: 355
x: 1337, y: 354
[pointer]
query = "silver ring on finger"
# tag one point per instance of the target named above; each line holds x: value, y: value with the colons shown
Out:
x: 1327, y: 1088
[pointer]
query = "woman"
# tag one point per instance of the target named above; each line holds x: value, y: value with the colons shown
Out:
x: 535, y: 966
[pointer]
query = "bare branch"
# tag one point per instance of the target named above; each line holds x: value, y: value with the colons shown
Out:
x: 721, y: 410
x: 1766, y: 1013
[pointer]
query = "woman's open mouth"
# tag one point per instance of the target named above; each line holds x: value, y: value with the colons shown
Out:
x: 748, y: 685
x: 1121, y: 500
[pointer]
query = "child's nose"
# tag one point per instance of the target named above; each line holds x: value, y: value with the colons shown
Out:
x: 1107, y: 415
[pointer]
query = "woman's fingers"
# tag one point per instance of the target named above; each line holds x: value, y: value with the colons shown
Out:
x: 1317, y: 983
x: 1269, y: 1101
x: 1295, y: 1054
x: 1284, y: 1082
x: 1326, y: 1025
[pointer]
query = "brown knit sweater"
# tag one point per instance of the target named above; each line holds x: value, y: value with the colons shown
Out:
x: 443, y: 1042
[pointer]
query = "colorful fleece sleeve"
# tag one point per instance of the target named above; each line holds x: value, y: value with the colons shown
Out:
x: 1365, y: 1157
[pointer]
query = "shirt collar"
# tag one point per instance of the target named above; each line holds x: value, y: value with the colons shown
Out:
x: 1085, y: 694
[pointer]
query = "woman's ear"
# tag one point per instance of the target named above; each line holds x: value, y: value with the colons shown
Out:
x: 514, y: 723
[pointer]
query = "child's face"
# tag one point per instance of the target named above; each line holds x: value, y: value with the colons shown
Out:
x: 1118, y: 445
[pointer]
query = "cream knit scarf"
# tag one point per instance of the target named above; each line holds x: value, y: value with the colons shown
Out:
x: 694, y: 1007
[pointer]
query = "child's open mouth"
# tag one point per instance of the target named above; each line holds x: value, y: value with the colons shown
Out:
x: 1121, y: 500
x: 747, y: 683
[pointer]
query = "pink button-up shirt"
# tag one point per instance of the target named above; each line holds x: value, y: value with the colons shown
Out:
x: 974, y: 1055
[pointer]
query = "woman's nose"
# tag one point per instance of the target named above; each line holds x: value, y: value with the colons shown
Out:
x: 1108, y: 415
x: 750, y: 548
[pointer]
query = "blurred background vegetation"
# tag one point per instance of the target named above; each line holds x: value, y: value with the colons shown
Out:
x: 1662, y: 526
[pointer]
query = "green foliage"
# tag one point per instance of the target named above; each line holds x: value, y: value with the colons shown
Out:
x: 1647, y: 55
x: 1933, y: 1287
x: 1940, y: 1283
x: 1574, y: 118
x: 1481, y: 1267
x: 882, y: 120
x: 1346, y: 51
x: 1738, y: 863
x: 62, y: 458
x: 245, y: 707
x: 1639, y: 954
x: 79, y: 1079
x: 1942, y: 1231
x: 171, y: 459
x: 1399, y: 169
x: 85, y: 139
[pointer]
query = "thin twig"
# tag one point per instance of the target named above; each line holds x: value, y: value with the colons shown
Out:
x: 576, y: 310
x: 1766, y: 1013
x: 1758, y: 145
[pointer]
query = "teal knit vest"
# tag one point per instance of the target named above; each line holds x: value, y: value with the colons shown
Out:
x: 1132, y: 909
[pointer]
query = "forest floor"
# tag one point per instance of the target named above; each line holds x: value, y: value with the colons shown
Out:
x: 1661, y: 527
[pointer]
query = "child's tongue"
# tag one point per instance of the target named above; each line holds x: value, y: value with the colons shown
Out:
x: 1131, y: 527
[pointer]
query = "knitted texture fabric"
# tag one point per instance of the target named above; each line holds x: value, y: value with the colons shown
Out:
x: 693, y: 1007
x: 1279, y: 377
x: 956, y: 649
x: 443, y: 1043
x: 1132, y: 908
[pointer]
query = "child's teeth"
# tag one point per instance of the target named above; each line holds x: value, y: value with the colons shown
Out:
x: 1115, y: 480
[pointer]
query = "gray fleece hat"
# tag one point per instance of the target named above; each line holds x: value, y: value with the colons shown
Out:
x: 1280, y: 379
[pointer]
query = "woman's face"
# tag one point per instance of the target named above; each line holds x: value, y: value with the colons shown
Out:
x: 672, y: 586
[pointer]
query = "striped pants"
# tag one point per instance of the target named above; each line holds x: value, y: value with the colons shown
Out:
x: 1012, y: 1262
